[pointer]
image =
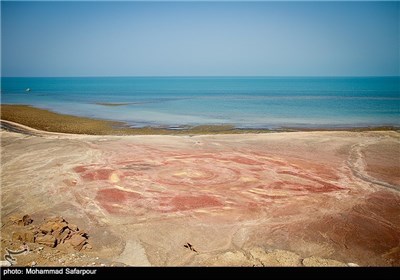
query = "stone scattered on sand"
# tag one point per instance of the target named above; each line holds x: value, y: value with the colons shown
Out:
x: 258, y: 256
x: 230, y: 258
x: 276, y: 257
x: 53, y: 232
x: 21, y: 221
x: 317, y: 261
x: 24, y: 236
x: 87, y: 246
x: 73, y: 227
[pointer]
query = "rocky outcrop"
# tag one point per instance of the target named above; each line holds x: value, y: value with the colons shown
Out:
x: 21, y: 221
x: 54, y: 232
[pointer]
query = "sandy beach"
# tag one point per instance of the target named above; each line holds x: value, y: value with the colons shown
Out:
x: 273, y: 199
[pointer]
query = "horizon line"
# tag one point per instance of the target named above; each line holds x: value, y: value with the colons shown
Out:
x: 206, y: 76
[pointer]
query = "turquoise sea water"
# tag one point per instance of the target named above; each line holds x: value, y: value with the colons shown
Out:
x: 245, y: 102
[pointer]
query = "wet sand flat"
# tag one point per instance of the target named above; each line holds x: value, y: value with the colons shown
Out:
x: 294, y: 198
x: 50, y: 121
x: 54, y: 122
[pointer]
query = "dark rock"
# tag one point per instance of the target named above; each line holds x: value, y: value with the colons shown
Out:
x: 73, y: 227
x: 47, y: 227
x: 47, y: 240
x: 26, y: 220
x: 21, y: 221
x: 24, y: 235
x: 63, y: 236
x: 77, y: 241
x: 59, y: 226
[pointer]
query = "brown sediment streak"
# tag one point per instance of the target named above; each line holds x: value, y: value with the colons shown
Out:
x: 304, y: 188
x: 357, y: 165
x: 324, y: 172
x: 245, y: 160
x: 371, y: 224
x: 326, y: 185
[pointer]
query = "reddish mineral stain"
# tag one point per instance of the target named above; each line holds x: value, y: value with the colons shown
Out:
x: 297, y: 187
x: 80, y: 169
x: 246, y: 161
x: 327, y: 187
x: 193, y: 202
x: 114, y: 200
x: 99, y: 174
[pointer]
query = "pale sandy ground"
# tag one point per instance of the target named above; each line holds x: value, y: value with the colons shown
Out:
x: 292, y: 199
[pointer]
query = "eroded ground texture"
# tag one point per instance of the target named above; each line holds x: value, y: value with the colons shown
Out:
x: 298, y: 198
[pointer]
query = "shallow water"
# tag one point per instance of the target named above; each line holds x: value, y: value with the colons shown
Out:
x: 245, y: 102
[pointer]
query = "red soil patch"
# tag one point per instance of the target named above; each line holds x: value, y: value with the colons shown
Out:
x: 297, y: 187
x: 94, y: 174
x: 80, y: 169
x: 114, y: 200
x: 244, y: 160
x: 193, y: 202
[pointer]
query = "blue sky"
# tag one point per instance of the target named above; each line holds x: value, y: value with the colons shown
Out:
x: 200, y: 38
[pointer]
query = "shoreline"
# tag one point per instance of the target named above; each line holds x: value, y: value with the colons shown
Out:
x: 48, y: 121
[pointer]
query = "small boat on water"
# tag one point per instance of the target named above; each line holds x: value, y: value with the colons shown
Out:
x: 27, y: 89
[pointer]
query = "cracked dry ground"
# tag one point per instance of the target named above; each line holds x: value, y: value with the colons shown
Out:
x: 267, y: 199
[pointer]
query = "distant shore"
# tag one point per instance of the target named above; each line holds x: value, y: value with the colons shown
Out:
x: 53, y: 122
